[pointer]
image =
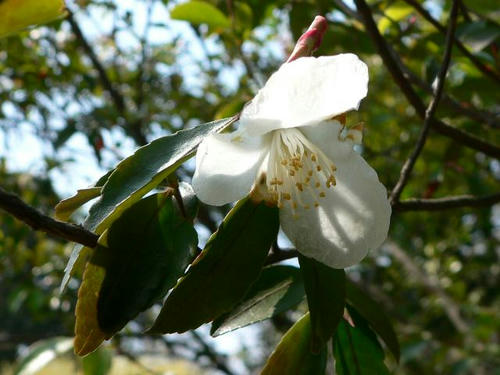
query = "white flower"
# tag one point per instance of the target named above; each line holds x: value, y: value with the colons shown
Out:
x: 332, y: 205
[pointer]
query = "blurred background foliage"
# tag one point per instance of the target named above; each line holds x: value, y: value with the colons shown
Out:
x: 114, y: 75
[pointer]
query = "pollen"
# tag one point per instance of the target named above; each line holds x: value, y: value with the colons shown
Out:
x: 296, y: 171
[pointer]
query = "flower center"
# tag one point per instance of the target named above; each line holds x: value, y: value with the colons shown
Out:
x: 298, y: 172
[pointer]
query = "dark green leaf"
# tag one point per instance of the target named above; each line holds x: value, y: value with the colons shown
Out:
x: 374, y: 314
x: 200, y: 12
x: 356, y: 349
x: 149, y: 248
x: 325, y: 290
x: 293, y: 355
x: 139, y: 174
x: 224, y: 271
x: 277, y: 289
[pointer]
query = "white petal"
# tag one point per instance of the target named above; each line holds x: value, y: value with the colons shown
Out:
x: 227, y: 165
x: 306, y: 91
x: 352, y: 219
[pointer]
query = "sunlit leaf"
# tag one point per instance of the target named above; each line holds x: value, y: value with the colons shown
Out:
x: 19, y: 14
x: 224, y: 271
x: 200, y: 12
x: 293, y: 355
x: 277, y: 289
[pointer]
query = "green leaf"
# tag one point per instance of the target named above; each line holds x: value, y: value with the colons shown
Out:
x: 393, y: 14
x: 478, y: 35
x: 293, y: 354
x: 137, y: 175
x: 200, y: 12
x: 223, y: 272
x: 356, y: 349
x: 41, y: 353
x: 277, y: 289
x: 149, y: 248
x: 325, y: 290
x: 374, y: 314
x: 66, y: 207
x: 17, y: 15
x: 97, y: 363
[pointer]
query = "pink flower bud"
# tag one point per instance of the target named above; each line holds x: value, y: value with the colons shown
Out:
x: 311, y: 39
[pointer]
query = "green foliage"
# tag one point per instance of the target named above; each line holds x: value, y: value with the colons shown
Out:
x: 200, y: 12
x: 278, y: 289
x: 325, y: 289
x: 436, y: 278
x: 223, y: 272
x: 293, y: 354
x: 356, y: 349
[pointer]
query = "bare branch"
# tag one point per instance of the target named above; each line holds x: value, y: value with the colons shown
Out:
x: 438, y: 204
x: 431, y: 109
x: 38, y: 221
x: 483, y: 68
x: 405, y: 86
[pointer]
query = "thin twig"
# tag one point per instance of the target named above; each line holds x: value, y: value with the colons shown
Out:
x: 38, y: 221
x: 483, y: 68
x: 113, y: 92
x: 431, y: 109
x: 405, y: 86
x: 438, y: 204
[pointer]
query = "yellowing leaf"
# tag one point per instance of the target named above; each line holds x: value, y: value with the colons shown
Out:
x: 16, y: 15
x: 88, y: 335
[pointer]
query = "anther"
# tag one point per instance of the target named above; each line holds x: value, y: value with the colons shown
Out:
x: 322, y: 194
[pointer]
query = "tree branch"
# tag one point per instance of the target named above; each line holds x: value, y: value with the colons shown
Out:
x: 38, y: 221
x: 483, y: 68
x: 431, y: 109
x: 405, y: 86
x: 416, y: 204
x: 113, y: 92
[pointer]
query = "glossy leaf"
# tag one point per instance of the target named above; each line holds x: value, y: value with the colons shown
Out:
x: 478, y: 35
x: 149, y: 248
x: 224, y: 271
x: 293, y: 355
x: 325, y: 290
x: 137, y: 175
x: 375, y: 316
x: 41, y: 353
x: 19, y: 14
x: 356, y: 349
x: 277, y: 289
x: 200, y: 12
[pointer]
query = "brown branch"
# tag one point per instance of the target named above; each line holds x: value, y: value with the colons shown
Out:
x: 405, y: 86
x: 416, y: 204
x: 431, y: 109
x: 38, y: 221
x: 486, y: 70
